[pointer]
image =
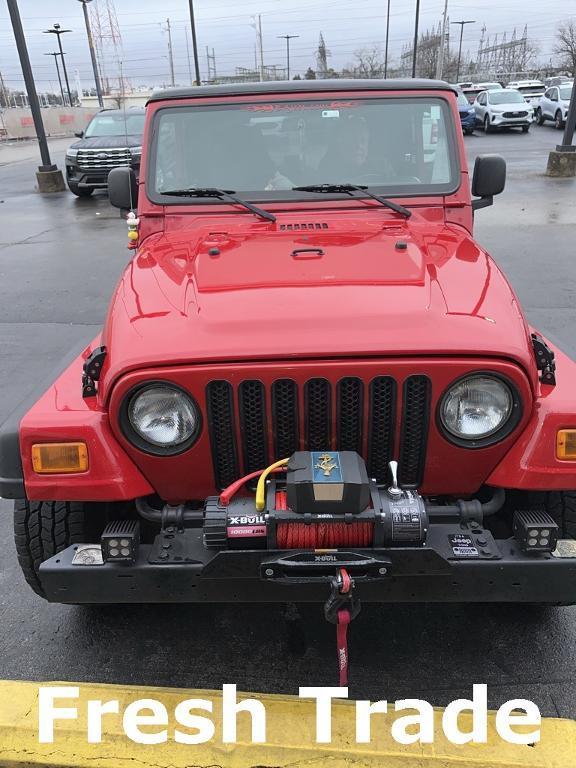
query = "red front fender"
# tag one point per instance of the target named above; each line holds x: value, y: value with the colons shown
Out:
x: 531, y: 463
x: 61, y: 414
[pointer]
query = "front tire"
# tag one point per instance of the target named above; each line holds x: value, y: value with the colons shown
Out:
x: 487, y: 126
x: 525, y: 128
x: 561, y: 505
x: 558, y: 122
x: 41, y: 530
x: 539, y: 117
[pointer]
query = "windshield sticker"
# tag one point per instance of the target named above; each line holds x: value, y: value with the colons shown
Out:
x: 311, y: 105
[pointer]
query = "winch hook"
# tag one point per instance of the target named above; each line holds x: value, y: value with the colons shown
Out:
x: 340, y: 608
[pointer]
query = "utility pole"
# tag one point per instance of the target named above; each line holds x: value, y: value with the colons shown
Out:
x: 462, y: 24
x: 415, y: 51
x: 287, y: 38
x: 387, y: 36
x: 261, y: 47
x: 194, y: 43
x: 92, y: 53
x: 48, y: 176
x: 188, y: 58
x: 170, y: 56
x: 58, y: 31
x: 440, y: 60
x: 562, y: 160
x: 58, y: 72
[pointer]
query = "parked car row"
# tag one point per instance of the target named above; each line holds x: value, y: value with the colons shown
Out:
x: 516, y: 106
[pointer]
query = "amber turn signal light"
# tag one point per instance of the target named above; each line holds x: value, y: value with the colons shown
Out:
x: 566, y: 445
x: 48, y: 458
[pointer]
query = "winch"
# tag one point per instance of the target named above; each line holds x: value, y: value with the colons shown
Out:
x: 326, y: 501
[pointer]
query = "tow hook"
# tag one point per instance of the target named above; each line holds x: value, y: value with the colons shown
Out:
x: 340, y: 608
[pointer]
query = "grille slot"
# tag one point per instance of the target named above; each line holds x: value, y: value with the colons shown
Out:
x: 220, y: 406
x: 318, y: 414
x: 414, y: 430
x: 350, y: 394
x: 285, y: 417
x: 382, y: 423
x: 360, y: 405
x: 253, y: 425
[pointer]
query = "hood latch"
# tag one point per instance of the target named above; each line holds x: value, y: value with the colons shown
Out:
x: 92, y: 369
x: 545, y: 361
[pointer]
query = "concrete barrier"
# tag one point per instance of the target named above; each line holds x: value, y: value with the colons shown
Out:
x: 17, y: 123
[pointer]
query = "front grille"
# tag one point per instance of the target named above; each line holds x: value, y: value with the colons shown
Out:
x: 104, y: 159
x: 261, y: 424
x: 515, y: 114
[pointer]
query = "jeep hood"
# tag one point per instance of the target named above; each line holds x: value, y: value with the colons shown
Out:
x: 296, y: 289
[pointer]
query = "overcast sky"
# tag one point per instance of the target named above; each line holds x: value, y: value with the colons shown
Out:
x: 227, y: 26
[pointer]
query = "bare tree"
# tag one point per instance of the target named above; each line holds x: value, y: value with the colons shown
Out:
x: 565, y: 47
x: 369, y: 63
x: 118, y: 100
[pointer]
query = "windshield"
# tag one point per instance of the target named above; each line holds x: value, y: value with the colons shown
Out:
x: 490, y: 86
x: 115, y: 125
x: 566, y: 92
x: 396, y: 144
x: 463, y: 101
x: 505, y: 97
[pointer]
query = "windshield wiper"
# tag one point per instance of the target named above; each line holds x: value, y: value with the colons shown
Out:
x: 349, y: 189
x: 221, y: 194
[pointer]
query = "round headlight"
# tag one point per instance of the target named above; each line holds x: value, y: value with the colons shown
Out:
x: 476, y: 408
x: 163, y: 419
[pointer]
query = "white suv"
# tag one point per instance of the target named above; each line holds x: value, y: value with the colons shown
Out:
x: 503, y: 108
x: 554, y: 105
x: 532, y: 90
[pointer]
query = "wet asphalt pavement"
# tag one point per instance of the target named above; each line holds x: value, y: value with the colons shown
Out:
x: 59, y: 260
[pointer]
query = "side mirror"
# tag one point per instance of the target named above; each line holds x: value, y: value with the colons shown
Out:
x: 79, y: 134
x: 489, y: 179
x: 123, y: 188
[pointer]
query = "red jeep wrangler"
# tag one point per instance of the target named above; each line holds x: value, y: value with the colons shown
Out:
x: 312, y: 383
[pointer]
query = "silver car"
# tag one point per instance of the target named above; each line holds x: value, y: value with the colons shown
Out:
x: 554, y: 105
x: 503, y: 108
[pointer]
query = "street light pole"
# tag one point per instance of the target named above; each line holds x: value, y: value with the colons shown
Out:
x: 92, y: 53
x: 287, y: 38
x: 194, y: 44
x: 462, y: 23
x: 57, y: 30
x: 415, y: 51
x: 386, y: 47
x: 58, y: 73
x: 49, y: 177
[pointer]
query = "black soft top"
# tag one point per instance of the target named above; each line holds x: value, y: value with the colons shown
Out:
x: 301, y: 86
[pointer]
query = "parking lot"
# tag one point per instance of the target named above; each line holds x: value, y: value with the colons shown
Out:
x: 59, y: 260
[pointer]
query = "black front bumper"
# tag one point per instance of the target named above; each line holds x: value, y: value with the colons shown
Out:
x: 95, y: 178
x: 502, y: 573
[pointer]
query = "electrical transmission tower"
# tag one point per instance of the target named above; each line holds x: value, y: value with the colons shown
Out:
x: 506, y: 57
x: 107, y: 41
x: 322, y: 58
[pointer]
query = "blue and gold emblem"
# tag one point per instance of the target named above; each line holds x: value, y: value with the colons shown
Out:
x: 326, y: 467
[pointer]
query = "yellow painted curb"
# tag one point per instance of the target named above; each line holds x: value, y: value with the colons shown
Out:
x: 290, y: 732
